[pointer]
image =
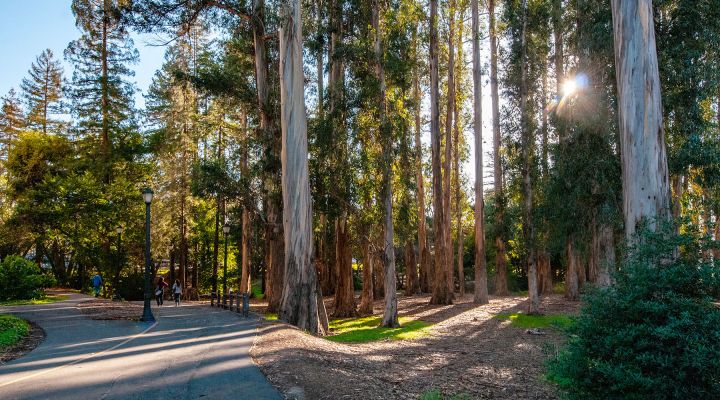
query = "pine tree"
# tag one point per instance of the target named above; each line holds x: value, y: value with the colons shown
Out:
x: 101, y: 95
x: 12, y: 121
x: 43, y: 91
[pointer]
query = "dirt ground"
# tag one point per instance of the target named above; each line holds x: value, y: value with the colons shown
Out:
x: 25, y: 345
x: 468, y: 353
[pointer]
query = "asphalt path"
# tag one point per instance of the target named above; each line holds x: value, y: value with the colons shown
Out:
x: 191, y: 352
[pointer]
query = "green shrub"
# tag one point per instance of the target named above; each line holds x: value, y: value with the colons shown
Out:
x: 21, y: 279
x: 131, y: 287
x: 654, y: 334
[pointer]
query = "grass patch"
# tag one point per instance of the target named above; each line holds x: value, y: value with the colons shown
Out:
x: 366, y: 329
x: 520, y: 320
x: 45, y: 300
x: 12, y: 329
x: 271, y: 316
x: 436, y: 395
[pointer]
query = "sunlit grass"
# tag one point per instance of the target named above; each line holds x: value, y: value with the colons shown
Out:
x: 271, y: 316
x: 12, y: 329
x: 45, y: 300
x: 520, y: 320
x: 366, y: 329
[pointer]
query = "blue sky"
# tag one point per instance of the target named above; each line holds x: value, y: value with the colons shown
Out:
x: 27, y: 27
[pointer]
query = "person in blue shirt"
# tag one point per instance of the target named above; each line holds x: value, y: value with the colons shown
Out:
x: 97, y: 284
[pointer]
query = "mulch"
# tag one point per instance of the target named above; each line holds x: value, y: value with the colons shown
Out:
x: 103, y: 309
x: 27, y: 344
x: 468, y: 353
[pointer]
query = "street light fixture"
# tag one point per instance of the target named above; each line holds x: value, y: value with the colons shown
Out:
x: 147, y: 316
x: 226, y: 230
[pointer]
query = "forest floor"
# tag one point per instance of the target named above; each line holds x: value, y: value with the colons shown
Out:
x: 469, y: 352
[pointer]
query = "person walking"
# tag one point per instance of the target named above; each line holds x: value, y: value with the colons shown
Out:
x: 160, y: 291
x: 97, y: 284
x: 177, y: 291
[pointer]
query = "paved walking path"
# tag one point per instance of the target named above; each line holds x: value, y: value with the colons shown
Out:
x: 192, y: 352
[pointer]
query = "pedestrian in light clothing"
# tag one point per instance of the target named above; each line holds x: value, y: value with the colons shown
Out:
x: 160, y: 291
x: 97, y: 284
x: 177, y: 291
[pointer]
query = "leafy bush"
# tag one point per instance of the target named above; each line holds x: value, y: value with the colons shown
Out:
x: 21, y: 279
x: 654, y: 334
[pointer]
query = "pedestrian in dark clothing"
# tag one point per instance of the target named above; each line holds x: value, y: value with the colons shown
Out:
x: 160, y: 291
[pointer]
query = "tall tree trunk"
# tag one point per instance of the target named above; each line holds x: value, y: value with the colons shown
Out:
x: 319, y: 60
x: 558, y: 36
x: 528, y: 225
x: 545, y: 284
x: 480, y: 295
x: 448, y: 146
x: 245, y: 278
x: 274, y: 266
x: 441, y: 293
x: 379, y: 267
x: 366, y: 300
x: 572, y: 286
x: 275, y: 263
x: 301, y: 303
x: 646, y: 189
x: 423, y: 253
x: 411, y: 275
x: 606, y: 258
x: 390, y: 317
x: 501, y: 285
x: 345, y: 293
x: 105, y: 96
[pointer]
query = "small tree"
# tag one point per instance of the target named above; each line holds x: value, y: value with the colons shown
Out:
x: 652, y: 335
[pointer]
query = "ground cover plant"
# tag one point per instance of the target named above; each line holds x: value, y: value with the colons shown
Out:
x: 47, y: 299
x: 12, y: 330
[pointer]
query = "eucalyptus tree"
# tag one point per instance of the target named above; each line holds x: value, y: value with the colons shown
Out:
x: 481, y: 294
x: 12, y: 121
x: 646, y: 187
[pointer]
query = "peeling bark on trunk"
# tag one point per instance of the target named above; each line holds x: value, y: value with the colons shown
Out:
x: 501, y: 286
x: 440, y: 290
x: 412, y: 283
x: 422, y: 232
x: 646, y: 189
x: 301, y: 303
x: 366, y: 300
x: 480, y: 295
x: 345, y: 293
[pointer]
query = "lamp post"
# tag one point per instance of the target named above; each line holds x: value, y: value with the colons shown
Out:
x: 226, y: 230
x: 147, y: 312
